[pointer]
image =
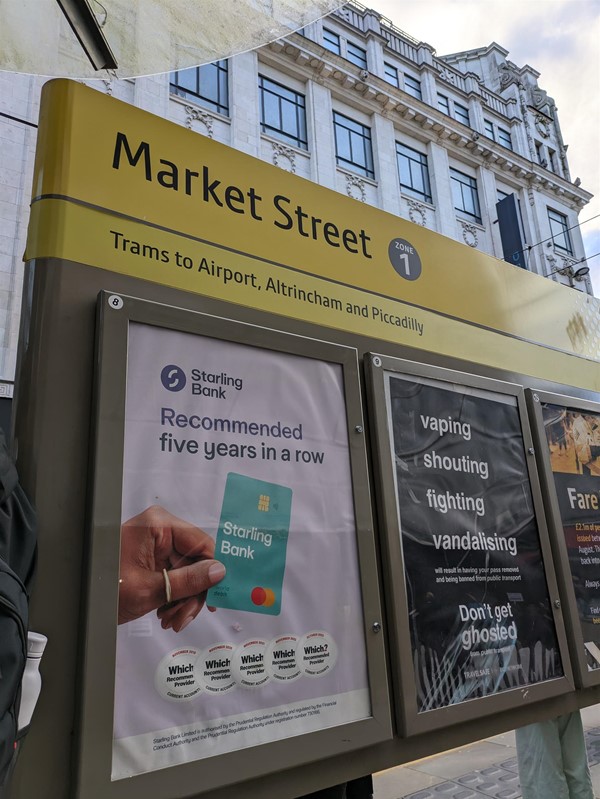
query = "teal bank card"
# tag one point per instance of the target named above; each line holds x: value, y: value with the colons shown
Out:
x: 251, y: 543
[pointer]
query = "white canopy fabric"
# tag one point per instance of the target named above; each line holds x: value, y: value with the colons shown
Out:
x: 146, y: 36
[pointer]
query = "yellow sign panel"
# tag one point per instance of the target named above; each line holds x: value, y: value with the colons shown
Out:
x: 118, y: 188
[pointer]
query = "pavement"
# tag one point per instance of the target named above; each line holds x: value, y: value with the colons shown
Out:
x: 483, y: 770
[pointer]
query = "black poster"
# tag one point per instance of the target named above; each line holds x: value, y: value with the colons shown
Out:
x: 574, y: 442
x: 479, y: 610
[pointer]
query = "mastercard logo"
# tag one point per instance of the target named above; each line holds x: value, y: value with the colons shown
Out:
x: 264, y: 597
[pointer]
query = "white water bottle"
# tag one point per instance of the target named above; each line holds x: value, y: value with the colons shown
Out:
x: 31, y: 684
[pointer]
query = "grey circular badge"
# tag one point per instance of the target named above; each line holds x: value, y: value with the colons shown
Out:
x: 405, y: 259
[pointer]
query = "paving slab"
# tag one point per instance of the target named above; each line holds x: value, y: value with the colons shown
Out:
x: 484, y: 770
x: 464, y: 760
x: 493, y: 781
x: 396, y: 783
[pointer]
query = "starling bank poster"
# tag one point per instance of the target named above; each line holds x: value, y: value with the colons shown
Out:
x: 479, y: 612
x: 573, y: 439
x: 240, y: 611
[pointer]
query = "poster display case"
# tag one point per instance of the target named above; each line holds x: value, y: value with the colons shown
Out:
x: 232, y: 562
x: 474, y: 608
x: 567, y: 432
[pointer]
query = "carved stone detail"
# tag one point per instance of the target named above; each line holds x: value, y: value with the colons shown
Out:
x: 448, y: 76
x: 542, y: 126
x: 195, y: 114
x: 355, y: 188
x: 417, y: 213
x: 525, y: 116
x: 508, y: 74
x: 284, y: 157
x: 469, y: 234
x: 565, y: 166
x: 542, y: 101
x: 559, y: 262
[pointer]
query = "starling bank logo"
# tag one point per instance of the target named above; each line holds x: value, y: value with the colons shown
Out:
x: 173, y: 378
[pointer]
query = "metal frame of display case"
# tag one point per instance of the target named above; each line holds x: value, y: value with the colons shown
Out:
x: 410, y: 720
x: 584, y: 676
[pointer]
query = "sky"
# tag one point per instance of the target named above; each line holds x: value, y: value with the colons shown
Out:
x: 560, y: 39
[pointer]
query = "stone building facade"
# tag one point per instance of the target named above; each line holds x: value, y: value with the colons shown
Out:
x: 352, y: 103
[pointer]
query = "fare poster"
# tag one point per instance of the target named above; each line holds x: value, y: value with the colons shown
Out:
x: 573, y: 439
x: 478, y: 605
x: 240, y: 611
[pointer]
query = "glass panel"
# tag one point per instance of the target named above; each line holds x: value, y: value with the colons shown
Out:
x: 443, y: 104
x: 209, y: 83
x: 206, y: 85
x: 187, y: 79
x: 479, y: 610
x: 357, y: 55
x: 414, y: 174
x: 356, y: 149
x: 560, y: 233
x: 404, y: 170
x: 271, y: 110
x: 289, y: 118
x: 469, y: 204
x: 223, y: 90
x: 464, y: 194
x: 412, y: 86
x: 391, y: 74
x: 504, y: 138
x: 283, y: 113
x: 353, y: 145
x: 573, y: 439
x: 331, y: 41
x: 342, y: 142
x: 461, y: 113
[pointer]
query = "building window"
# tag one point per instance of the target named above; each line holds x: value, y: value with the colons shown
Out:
x: 464, y: 194
x: 353, y: 145
x: 504, y: 138
x: 413, y: 171
x: 206, y: 85
x: 500, y: 135
x: 356, y: 54
x: 559, y: 227
x: 340, y: 46
x: 461, y: 114
x: 391, y: 74
x: 443, y: 103
x: 552, y: 163
x: 282, y: 112
x: 412, y: 86
x: 331, y: 41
